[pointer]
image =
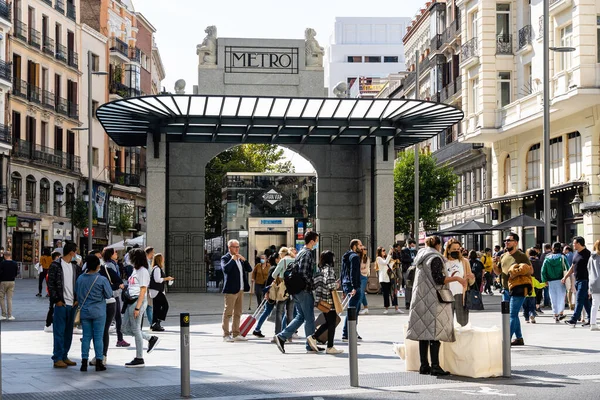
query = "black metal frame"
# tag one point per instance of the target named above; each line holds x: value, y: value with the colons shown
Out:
x: 323, y: 121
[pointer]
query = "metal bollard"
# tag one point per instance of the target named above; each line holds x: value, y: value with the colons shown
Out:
x: 184, y: 323
x: 353, y: 346
x: 1, y: 359
x: 506, y: 367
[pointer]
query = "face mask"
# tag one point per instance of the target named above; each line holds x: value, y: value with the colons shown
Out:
x: 455, y: 254
x: 263, y: 261
x: 316, y: 246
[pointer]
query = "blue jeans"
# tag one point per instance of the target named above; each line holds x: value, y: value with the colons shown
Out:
x: 546, y: 296
x: 355, y: 301
x: 149, y: 315
x: 506, y: 295
x: 133, y: 327
x: 516, y: 302
x: 265, y: 314
x: 363, y: 290
x: 305, y: 307
x: 62, y: 331
x: 529, y: 308
x: 583, y: 300
x: 93, y: 328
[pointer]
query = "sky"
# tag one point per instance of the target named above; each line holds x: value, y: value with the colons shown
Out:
x: 180, y: 27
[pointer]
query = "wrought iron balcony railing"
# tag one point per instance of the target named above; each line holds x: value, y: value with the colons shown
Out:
x: 525, y: 36
x: 44, y: 155
x: 135, y: 54
x: 5, y: 11
x: 48, y: 99
x: 504, y: 44
x: 119, y: 46
x: 5, y: 70
x: 5, y: 134
x: 436, y: 42
x: 33, y: 93
x: 61, y: 52
x: 469, y: 49
x: 61, y: 106
x: 35, y: 38
x: 19, y: 88
x: 20, y: 31
x: 73, y: 59
x: 131, y: 178
x: 48, y: 45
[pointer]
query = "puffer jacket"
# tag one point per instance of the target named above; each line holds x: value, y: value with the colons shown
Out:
x: 594, y: 272
x: 56, y: 281
x: 519, y: 279
x: 554, y: 267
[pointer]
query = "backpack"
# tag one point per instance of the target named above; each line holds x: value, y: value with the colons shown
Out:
x: 294, y: 281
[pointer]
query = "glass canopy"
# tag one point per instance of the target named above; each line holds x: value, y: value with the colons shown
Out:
x: 278, y: 120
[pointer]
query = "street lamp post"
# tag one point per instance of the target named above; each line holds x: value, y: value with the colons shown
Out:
x: 417, y: 172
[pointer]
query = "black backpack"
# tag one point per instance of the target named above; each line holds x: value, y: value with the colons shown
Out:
x: 294, y: 282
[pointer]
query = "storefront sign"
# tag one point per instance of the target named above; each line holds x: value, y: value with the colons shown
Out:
x: 11, y: 221
x: 271, y: 222
x: 24, y: 225
x: 272, y: 197
x: 277, y: 60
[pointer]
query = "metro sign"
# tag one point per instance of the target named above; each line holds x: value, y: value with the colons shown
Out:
x: 86, y: 231
x: 272, y: 197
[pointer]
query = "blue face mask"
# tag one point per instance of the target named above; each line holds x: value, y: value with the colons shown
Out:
x: 262, y: 261
x: 316, y: 246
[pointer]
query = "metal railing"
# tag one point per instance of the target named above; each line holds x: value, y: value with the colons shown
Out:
x: 451, y: 89
x: 71, y: 12
x: 61, y: 106
x: 3, y: 195
x: 60, y: 6
x: 119, y: 46
x: 48, y: 45
x: 61, y: 52
x: 20, y: 30
x: 131, y: 178
x: 504, y: 44
x: 436, y: 42
x: 123, y: 90
x: 35, y: 38
x: 33, y: 93
x: 5, y: 134
x: 525, y: 36
x: 73, y: 59
x: 469, y: 49
x: 45, y: 155
x: 5, y: 11
x: 135, y: 54
x: 48, y: 99
x: 73, y: 110
x: 410, y: 78
x: 49, y: 2
x: 19, y: 88
x: 5, y: 70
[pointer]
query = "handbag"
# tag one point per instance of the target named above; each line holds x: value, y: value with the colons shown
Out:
x: 324, y: 306
x: 337, y: 303
x: 473, y: 300
x: 445, y: 295
x: 77, y: 319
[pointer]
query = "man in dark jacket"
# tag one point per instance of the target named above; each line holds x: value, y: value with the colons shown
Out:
x: 61, y: 285
x: 8, y: 272
x: 235, y: 268
x: 351, y: 280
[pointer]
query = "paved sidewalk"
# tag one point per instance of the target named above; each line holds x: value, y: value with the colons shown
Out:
x: 27, y: 367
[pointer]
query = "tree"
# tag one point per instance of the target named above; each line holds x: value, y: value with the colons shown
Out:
x: 437, y: 184
x: 124, y: 218
x: 242, y: 158
x: 80, y: 214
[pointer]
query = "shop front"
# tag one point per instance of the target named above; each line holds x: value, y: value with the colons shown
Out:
x: 24, y: 244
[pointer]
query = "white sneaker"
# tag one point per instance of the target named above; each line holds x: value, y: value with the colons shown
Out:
x: 333, y: 350
x: 227, y: 339
x: 48, y: 329
x: 312, y: 342
x: 364, y: 311
x: 385, y: 311
x: 594, y: 328
x: 399, y: 311
x: 2, y: 318
x: 112, y: 329
x: 77, y: 331
x: 240, y: 338
x: 11, y: 318
x: 295, y: 336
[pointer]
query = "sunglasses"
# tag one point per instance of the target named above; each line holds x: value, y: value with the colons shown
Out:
x: 509, y: 240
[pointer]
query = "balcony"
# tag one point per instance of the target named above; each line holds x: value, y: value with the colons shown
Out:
x: 4, y: 195
x: 73, y: 59
x: 504, y: 45
x: 5, y: 135
x: 61, y: 106
x: 5, y: 71
x: 436, y: 42
x: 135, y: 54
x: 35, y: 38
x: 5, y: 11
x: 525, y: 38
x: 60, y: 6
x: 451, y: 32
x: 48, y: 45
x: 410, y: 78
x: 131, y: 178
x: 39, y: 154
x: 71, y: 12
x: 48, y: 99
x: 119, y: 47
x: 123, y: 91
x: 73, y: 110
x: 470, y: 53
x: 49, y: 2
x: 448, y: 92
x: 33, y: 93
x: 61, y: 52
x: 20, y: 31
x: 19, y: 88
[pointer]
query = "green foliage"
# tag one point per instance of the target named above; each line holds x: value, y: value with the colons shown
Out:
x: 242, y: 158
x: 436, y: 185
x: 123, y: 220
x: 80, y: 214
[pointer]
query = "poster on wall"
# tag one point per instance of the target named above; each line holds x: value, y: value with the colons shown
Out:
x: 101, y: 201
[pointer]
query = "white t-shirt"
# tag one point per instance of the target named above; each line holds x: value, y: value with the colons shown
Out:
x: 455, y: 268
x: 139, y: 278
x: 68, y: 289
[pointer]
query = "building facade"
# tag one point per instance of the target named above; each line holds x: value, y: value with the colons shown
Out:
x: 5, y: 131
x: 363, y: 51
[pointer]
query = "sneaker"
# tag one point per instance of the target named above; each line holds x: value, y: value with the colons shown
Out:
x: 136, y: 363
x: 399, y: 311
x: 295, y: 336
x: 385, y: 311
x: 312, y: 351
x: 333, y: 350
x: 157, y: 328
x: 539, y: 311
x: 77, y: 331
x: 594, y: 327
x: 112, y: 329
x: 358, y: 338
x: 344, y: 339
x: 60, y: 364
x: 2, y: 318
x: 92, y: 361
x: 122, y: 343
x: 571, y: 323
x: 152, y: 343
x: 258, y: 334
x: 280, y: 343
x: 586, y: 323
x: 11, y: 318
x: 227, y: 339
x: 240, y: 338
x: 517, y: 342
x: 48, y: 329
x: 312, y: 342
x: 532, y: 319
x: 364, y: 311
x: 70, y: 363
x: 436, y: 370
x: 38, y: 295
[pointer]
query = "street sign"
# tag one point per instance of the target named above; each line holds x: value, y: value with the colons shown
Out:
x: 86, y: 232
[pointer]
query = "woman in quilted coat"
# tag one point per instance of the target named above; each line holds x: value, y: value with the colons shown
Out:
x: 430, y: 320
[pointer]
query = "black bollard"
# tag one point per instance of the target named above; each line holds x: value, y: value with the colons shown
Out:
x: 184, y: 323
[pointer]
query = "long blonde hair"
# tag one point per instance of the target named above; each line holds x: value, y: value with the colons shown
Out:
x: 597, y: 246
x: 158, y: 260
x: 449, y: 244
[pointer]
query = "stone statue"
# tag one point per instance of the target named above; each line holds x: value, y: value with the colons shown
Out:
x: 180, y: 87
x: 314, y: 52
x: 207, y: 51
x: 341, y: 90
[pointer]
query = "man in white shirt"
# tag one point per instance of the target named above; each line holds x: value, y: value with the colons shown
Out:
x: 61, y: 285
x: 235, y: 268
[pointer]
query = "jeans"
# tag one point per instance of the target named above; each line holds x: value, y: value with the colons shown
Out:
x: 546, y: 297
x: 111, y: 309
x: 529, y: 308
x: 557, y: 295
x: 93, y: 328
x: 133, y: 327
x: 258, y: 292
x: 284, y: 314
x: 506, y: 295
x: 118, y: 320
x: 305, y: 306
x: 516, y: 302
x: 62, y: 331
x: 355, y: 301
x: 363, y: 289
x: 149, y: 314
x: 265, y: 314
x: 582, y: 300
x: 595, y: 304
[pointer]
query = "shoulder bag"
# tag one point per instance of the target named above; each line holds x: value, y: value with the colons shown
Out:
x: 77, y: 319
x: 473, y: 300
x: 444, y: 294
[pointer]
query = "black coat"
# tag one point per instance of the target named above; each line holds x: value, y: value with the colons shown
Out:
x: 56, y: 281
x: 231, y: 283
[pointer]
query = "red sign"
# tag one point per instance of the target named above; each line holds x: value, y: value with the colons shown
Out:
x: 86, y: 232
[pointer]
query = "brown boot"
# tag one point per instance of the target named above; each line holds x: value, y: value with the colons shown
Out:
x: 70, y: 363
x: 60, y: 364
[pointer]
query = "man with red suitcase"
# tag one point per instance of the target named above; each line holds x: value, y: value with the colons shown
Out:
x: 235, y: 269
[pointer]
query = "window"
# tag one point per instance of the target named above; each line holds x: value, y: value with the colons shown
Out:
x: 528, y: 89
x: 598, y: 38
x: 473, y: 25
x: 144, y: 60
x: 557, y: 166
x: 44, y: 139
x: 15, y: 191
x: 95, y: 106
x: 95, y: 156
x: 70, y: 200
x: 95, y: 63
x: 30, y: 190
x: 566, y: 40
x: 390, y: 59
x: 507, y: 175
x: 474, y: 101
x: 503, y: 20
x: 468, y: 187
x: 477, y: 188
x: 504, y: 84
x: 534, y: 167
x: 58, y: 198
x: 372, y: 59
x: 44, y: 195
x: 574, y: 156
x: 459, y: 201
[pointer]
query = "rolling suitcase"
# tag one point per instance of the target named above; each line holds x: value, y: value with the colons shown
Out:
x: 320, y: 320
x: 250, y: 320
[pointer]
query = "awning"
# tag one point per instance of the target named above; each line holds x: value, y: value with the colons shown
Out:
x: 535, y: 192
x: 277, y: 120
